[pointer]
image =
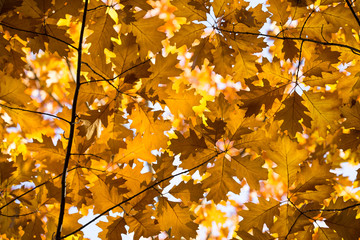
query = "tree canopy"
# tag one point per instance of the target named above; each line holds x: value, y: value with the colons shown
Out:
x: 161, y: 114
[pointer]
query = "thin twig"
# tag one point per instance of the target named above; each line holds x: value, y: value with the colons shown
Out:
x: 69, y: 67
x: 111, y: 79
x: 38, y: 33
x: 298, y: 66
x: 32, y: 189
x: 102, y: 6
x: 353, y: 12
x: 93, y: 70
x: 291, y: 38
x: 136, y: 65
x: 139, y: 193
x: 36, y: 112
x: 72, y: 128
x: 333, y: 209
x: 86, y: 154
x: 18, y: 215
x: 301, y: 47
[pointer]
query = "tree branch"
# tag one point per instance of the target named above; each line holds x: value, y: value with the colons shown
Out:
x: 36, y: 112
x: 353, y: 12
x: 18, y: 215
x: 353, y: 49
x: 104, y: 79
x: 87, y: 154
x: 139, y: 193
x: 72, y: 128
x: 111, y: 79
x: 32, y: 189
x: 37, y: 33
x: 315, y: 210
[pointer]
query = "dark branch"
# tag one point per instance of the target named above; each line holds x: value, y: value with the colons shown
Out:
x: 103, y: 78
x: 353, y: 12
x: 86, y: 154
x: 355, y: 50
x: 72, y: 127
x: 36, y: 112
x: 119, y: 75
x: 18, y: 215
x: 38, y: 33
x: 139, y: 193
x: 136, y: 65
x: 333, y: 209
x: 315, y: 210
x: 102, y: 6
x: 32, y: 189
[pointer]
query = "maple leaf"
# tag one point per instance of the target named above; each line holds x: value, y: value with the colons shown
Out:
x: 350, y: 140
x: 292, y: 221
x: 313, y: 181
x: 244, y: 66
x: 160, y: 71
x: 101, y: 124
x: 140, y: 224
x: 251, y: 169
x: 258, y: 214
x: 213, y: 129
x: 351, y: 114
x: 7, y: 169
x: 187, y: 146
x: 257, y: 235
x: 113, y: 230
x: 182, y: 101
x: 53, y: 154
x: 291, y: 115
x: 280, y: 12
x: 188, y: 192
x: 135, y: 149
x: 164, y: 167
x: 191, y: 10
x: 34, y: 228
x: 345, y: 224
x: 150, y: 125
x: 290, y: 50
x: 172, y: 216
x: 201, y: 52
x: 288, y: 157
x: 126, y: 58
x: 258, y: 96
x: 102, y: 26
x: 324, y: 111
x: 147, y: 35
x: 223, y: 58
x: 107, y: 194
x: 221, y: 180
x: 12, y: 90
x: 93, y: 121
x: 79, y: 188
x: 187, y: 35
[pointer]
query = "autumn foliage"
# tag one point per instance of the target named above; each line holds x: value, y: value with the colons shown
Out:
x: 180, y: 119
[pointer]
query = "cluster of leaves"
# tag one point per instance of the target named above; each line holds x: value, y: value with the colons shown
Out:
x: 103, y: 103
